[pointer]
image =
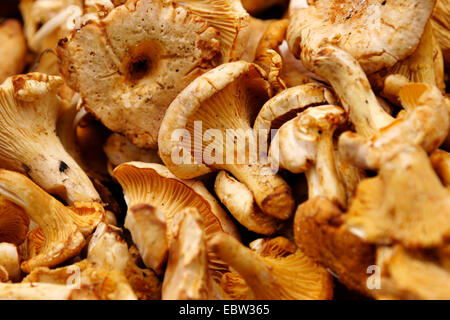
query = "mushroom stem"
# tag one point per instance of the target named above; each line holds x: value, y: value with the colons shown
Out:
x: 271, y: 276
x: 271, y: 192
x: 353, y: 88
x: 323, y: 179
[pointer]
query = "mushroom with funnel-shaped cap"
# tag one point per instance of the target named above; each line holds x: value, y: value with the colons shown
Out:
x: 13, y: 49
x: 29, y: 108
x: 10, y: 260
x: 148, y: 51
x: 154, y: 185
x: 223, y: 103
x: 240, y: 202
x: 440, y: 160
x: 187, y: 275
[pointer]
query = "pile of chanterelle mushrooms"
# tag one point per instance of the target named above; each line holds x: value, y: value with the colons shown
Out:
x: 98, y: 200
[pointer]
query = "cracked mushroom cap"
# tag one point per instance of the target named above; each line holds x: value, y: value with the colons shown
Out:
x: 274, y: 274
x: 229, y: 18
x: 148, y: 230
x: 63, y: 240
x: 376, y: 33
x: 412, y: 275
x: 321, y: 234
x: 405, y: 203
x: 148, y: 51
x: 187, y: 275
x: 29, y: 111
x: 154, y: 185
x: 306, y: 144
x: 238, y: 199
x: 225, y: 100
x: 13, y: 49
x: 10, y: 260
x: 14, y: 222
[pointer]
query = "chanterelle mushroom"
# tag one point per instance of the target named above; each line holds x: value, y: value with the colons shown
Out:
x: 321, y: 234
x: 220, y: 106
x: 406, y: 202
x: 272, y: 273
x: 187, y: 275
x: 229, y: 18
x: 154, y: 185
x: 258, y: 6
x: 63, y: 240
x: 148, y: 51
x: 335, y: 40
x: 13, y: 49
x: 306, y: 144
x: 29, y: 110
